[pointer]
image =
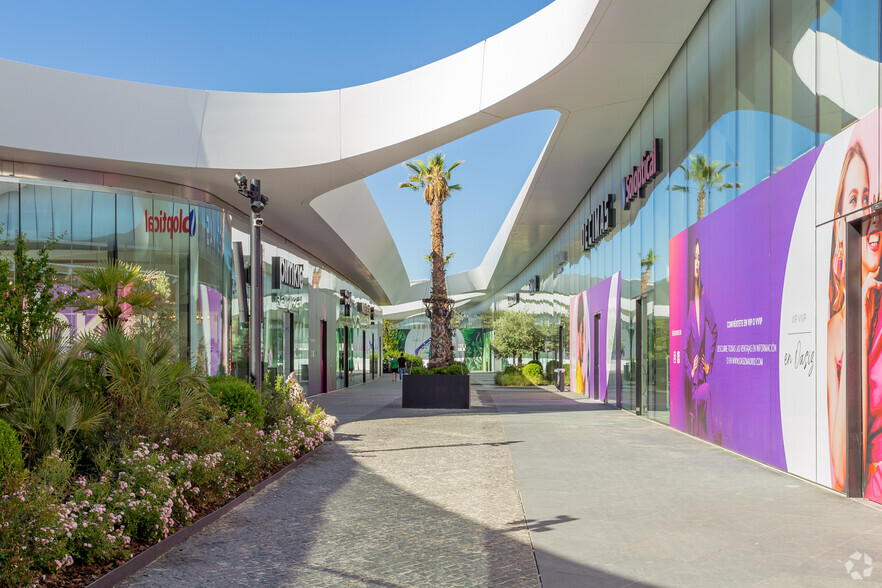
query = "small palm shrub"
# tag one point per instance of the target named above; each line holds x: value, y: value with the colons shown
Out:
x: 146, y: 382
x: 238, y: 396
x: 41, y: 396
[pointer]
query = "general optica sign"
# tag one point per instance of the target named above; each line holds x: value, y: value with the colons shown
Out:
x: 170, y: 224
x: 641, y: 175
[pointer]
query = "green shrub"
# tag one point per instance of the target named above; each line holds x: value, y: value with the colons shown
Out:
x: 10, y: 450
x: 533, y: 373
x: 510, y: 379
x: 454, y: 369
x: 512, y: 369
x: 417, y: 370
x: 413, y: 361
x: 534, y: 362
x: 549, y: 369
x: 238, y: 396
x: 458, y: 368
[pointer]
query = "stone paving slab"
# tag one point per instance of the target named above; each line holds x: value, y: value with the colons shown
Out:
x: 627, y: 501
x: 401, y: 498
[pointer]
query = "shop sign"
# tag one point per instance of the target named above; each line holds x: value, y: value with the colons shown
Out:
x: 287, y: 272
x: 634, y: 183
x: 289, y: 301
x: 600, y: 223
x: 171, y: 224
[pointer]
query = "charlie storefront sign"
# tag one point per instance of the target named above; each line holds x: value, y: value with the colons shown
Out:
x: 164, y: 223
x: 601, y: 222
x: 287, y: 273
x: 642, y: 174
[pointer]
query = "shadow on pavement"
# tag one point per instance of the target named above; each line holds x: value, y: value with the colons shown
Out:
x: 334, y: 521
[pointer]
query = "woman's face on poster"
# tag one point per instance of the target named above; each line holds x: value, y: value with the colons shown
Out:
x: 856, y: 187
x: 696, y: 266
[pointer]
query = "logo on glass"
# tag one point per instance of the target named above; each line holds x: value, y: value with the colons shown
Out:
x: 164, y: 223
x: 170, y: 224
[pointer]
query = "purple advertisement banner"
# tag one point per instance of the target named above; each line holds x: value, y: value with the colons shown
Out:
x: 727, y: 279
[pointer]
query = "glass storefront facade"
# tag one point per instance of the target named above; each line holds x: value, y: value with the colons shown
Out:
x: 185, y: 241
x: 193, y: 245
x: 758, y: 118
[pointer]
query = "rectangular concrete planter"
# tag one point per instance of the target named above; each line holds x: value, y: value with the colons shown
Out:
x: 431, y: 391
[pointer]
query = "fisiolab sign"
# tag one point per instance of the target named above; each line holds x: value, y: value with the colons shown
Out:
x: 165, y: 223
x: 634, y: 183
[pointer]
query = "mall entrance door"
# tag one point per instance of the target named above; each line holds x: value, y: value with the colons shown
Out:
x: 644, y: 357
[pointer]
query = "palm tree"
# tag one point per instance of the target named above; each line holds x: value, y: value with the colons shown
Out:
x: 116, y: 289
x: 646, y: 263
x: 706, y: 176
x: 433, y: 178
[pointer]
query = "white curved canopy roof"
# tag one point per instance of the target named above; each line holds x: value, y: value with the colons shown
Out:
x: 595, y: 61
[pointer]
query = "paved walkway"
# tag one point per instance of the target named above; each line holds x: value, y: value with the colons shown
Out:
x: 438, y: 498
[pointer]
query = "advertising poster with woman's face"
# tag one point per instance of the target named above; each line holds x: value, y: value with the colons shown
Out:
x: 596, y: 308
x: 727, y: 278
x: 578, y: 342
x: 848, y: 183
x: 757, y: 357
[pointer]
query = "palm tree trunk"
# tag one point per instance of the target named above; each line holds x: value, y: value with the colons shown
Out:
x: 701, y: 201
x: 440, y: 353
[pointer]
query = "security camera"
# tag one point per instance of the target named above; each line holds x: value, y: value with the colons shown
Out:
x: 257, y: 206
x: 258, y: 222
x: 241, y: 180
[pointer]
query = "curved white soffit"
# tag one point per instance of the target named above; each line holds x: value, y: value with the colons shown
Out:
x: 853, y: 83
x: 348, y: 210
x: 60, y: 112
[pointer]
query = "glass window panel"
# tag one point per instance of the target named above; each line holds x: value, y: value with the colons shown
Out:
x: 723, y: 132
x: 793, y: 103
x: 753, y: 26
x: 852, y: 28
x: 697, y: 81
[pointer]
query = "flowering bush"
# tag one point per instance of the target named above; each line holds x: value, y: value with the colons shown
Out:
x: 32, y: 525
x: 50, y: 519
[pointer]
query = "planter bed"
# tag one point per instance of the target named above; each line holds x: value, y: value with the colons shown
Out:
x: 435, y: 391
x: 116, y: 571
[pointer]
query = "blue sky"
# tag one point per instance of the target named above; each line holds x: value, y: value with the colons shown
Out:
x: 289, y: 46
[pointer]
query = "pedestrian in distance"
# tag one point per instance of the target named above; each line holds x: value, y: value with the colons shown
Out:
x: 402, y: 365
x: 394, y: 366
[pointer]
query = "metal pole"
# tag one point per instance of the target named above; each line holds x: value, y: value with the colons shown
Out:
x: 256, y: 293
